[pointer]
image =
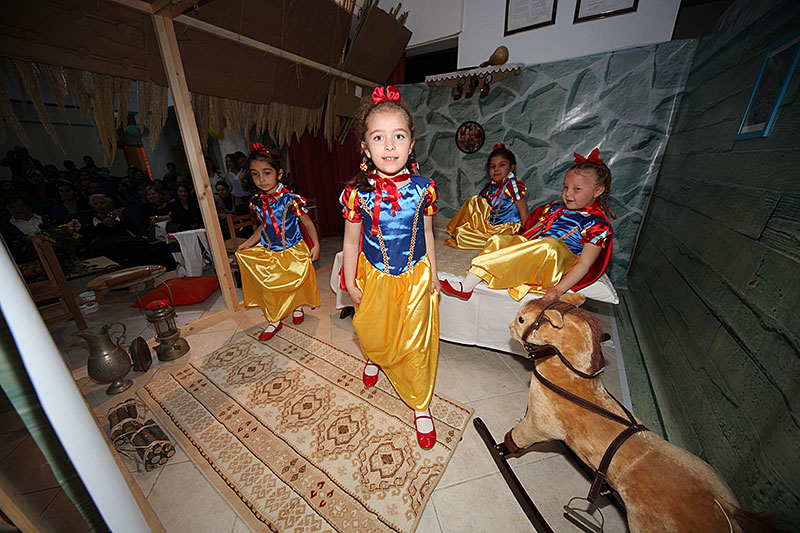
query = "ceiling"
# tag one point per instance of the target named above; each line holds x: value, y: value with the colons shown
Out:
x: 107, y: 37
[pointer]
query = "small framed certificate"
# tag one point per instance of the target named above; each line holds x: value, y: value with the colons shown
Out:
x: 523, y: 15
x: 597, y: 9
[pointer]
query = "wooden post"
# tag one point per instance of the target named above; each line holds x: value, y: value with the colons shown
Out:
x: 170, y: 55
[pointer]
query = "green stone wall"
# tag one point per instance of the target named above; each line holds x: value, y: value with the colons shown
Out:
x: 624, y: 102
x: 713, y: 284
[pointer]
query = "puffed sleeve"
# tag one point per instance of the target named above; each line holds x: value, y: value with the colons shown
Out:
x: 254, y: 208
x: 516, y: 190
x: 299, y: 205
x: 351, y: 210
x: 598, y: 233
x: 432, y: 194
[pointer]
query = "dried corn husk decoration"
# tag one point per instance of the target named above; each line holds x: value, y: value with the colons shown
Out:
x: 143, y: 101
x: 159, y: 105
x: 11, y: 68
x: 7, y: 115
x: 27, y: 73
x: 103, y: 103
x: 200, y: 108
x: 82, y: 92
x: 122, y: 87
x: 54, y: 76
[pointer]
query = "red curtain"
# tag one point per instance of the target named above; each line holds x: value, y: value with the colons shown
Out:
x: 321, y: 174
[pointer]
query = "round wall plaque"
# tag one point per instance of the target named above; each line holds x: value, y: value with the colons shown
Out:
x: 469, y: 137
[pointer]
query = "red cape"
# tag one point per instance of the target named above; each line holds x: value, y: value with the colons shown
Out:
x: 600, y: 265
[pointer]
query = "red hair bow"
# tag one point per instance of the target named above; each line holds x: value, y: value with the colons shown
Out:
x: 385, y: 94
x: 257, y: 147
x: 499, y: 146
x: 594, y: 157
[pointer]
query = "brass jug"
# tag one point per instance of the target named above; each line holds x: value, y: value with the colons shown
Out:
x: 108, y: 362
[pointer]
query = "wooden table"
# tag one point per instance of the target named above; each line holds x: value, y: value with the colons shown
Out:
x: 125, y: 278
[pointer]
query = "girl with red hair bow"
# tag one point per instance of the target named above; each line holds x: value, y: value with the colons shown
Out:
x: 277, y: 274
x: 390, y: 260
x: 499, y: 209
x: 565, y: 246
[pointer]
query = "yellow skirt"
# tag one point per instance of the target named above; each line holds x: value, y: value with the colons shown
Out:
x: 470, y: 227
x: 512, y: 262
x: 278, y: 282
x: 397, y: 324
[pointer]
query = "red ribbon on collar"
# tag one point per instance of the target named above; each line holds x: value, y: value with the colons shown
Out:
x: 385, y: 189
x: 385, y: 94
x: 268, y: 198
x: 594, y: 157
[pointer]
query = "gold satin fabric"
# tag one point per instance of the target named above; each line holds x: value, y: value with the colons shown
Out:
x: 512, y: 262
x: 278, y: 282
x: 470, y: 227
x: 397, y: 324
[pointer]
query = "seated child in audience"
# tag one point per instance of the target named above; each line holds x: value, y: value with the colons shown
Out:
x: 499, y: 209
x: 561, y: 250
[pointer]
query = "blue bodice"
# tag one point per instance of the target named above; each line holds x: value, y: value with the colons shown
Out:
x: 288, y: 203
x: 574, y: 228
x: 399, y: 230
x: 501, y: 198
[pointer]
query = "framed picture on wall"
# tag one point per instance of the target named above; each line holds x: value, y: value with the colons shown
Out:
x: 523, y: 15
x: 773, y: 80
x: 597, y: 9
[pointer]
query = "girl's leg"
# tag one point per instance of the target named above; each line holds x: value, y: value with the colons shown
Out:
x: 426, y: 433
x: 298, y: 316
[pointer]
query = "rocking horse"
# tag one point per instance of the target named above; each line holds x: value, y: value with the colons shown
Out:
x: 664, y: 487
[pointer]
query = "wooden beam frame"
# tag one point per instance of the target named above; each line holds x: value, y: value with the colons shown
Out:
x: 263, y: 47
x: 160, y: 6
x: 170, y: 55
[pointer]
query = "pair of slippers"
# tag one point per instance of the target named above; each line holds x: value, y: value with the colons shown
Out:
x: 272, y: 328
x: 425, y: 440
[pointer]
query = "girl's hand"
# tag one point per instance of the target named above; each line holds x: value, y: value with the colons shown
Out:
x: 241, y: 247
x: 314, y: 253
x: 552, y: 293
x: 355, y: 294
x: 436, y: 286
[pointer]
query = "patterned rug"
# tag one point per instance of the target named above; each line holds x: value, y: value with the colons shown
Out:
x: 289, y: 435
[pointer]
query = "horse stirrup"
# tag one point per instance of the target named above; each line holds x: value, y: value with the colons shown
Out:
x: 584, y: 518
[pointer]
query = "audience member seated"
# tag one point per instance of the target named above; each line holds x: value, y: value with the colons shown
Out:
x: 113, y: 235
x: 155, y: 210
x: 71, y: 203
x: 184, y: 209
x: 228, y: 204
x: 22, y: 225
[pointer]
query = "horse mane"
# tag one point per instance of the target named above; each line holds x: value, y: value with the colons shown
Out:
x: 597, y: 360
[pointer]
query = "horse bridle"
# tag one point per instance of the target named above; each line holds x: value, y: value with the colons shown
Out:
x: 538, y: 352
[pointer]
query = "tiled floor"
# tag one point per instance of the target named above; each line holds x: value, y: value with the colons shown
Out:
x: 471, y: 495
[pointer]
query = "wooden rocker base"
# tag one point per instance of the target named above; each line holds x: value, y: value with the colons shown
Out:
x: 499, y: 452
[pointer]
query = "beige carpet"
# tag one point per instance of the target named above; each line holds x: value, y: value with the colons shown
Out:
x: 292, y: 439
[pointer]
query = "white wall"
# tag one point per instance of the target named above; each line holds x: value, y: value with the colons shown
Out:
x: 430, y: 20
x: 484, y: 22
x: 480, y: 24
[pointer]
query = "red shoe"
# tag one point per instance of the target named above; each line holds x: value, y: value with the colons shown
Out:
x: 452, y: 291
x: 298, y: 316
x: 369, y: 381
x: 270, y: 331
x: 425, y: 440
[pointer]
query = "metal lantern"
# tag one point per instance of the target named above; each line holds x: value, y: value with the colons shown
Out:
x: 170, y: 343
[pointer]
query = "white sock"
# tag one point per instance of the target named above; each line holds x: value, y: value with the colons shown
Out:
x: 299, y: 309
x: 371, y: 369
x: 470, y: 282
x: 424, y: 425
x: 273, y: 324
